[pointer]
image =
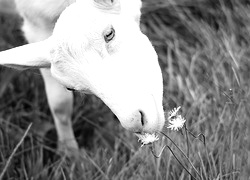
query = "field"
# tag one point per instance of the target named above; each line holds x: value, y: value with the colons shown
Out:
x: 204, y: 50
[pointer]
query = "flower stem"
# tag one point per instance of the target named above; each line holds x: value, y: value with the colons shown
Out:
x: 182, y: 153
x: 180, y: 162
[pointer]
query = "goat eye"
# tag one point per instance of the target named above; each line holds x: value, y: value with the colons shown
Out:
x: 70, y: 89
x: 109, y: 35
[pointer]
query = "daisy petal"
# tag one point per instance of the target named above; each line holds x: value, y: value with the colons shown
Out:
x: 173, y: 112
x: 176, y: 123
x: 147, y: 138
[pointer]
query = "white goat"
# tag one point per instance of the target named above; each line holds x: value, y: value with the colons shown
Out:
x: 93, y: 47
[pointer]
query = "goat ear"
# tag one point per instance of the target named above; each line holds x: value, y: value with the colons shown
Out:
x: 35, y: 55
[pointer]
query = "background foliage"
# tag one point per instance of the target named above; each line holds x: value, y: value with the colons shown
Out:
x: 203, y: 48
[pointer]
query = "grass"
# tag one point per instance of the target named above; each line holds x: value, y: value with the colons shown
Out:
x: 203, y: 47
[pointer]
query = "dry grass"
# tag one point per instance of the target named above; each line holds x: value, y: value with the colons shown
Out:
x: 204, y: 54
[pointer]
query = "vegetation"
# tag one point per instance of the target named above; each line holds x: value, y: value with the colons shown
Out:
x: 203, y: 47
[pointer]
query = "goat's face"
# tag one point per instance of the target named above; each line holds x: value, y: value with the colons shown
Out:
x: 102, y: 51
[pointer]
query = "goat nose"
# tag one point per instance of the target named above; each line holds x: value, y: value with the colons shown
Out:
x: 143, y: 121
x: 135, y: 122
x: 138, y: 122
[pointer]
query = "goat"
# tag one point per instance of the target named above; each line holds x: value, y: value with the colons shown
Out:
x: 93, y: 47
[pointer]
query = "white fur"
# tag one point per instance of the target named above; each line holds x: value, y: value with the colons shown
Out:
x: 124, y: 72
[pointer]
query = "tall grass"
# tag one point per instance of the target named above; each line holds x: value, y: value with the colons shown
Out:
x: 203, y: 47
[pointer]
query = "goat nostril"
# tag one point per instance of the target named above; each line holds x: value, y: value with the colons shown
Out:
x: 142, y: 117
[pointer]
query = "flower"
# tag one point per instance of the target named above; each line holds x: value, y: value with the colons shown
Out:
x: 147, y: 138
x: 173, y: 112
x: 176, y: 123
x: 175, y: 120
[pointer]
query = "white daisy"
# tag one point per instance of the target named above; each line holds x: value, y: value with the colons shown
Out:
x: 173, y: 112
x: 176, y: 123
x: 147, y: 138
